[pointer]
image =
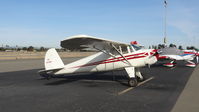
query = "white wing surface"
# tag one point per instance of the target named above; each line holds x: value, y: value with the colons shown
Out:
x: 90, y: 43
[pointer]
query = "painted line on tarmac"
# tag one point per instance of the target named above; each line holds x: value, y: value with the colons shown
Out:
x: 173, y: 67
x: 130, y: 88
x: 99, y: 81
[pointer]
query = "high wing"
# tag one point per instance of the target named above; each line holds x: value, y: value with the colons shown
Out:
x: 90, y: 43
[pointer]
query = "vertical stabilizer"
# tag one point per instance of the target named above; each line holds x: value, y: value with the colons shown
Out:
x: 53, y: 60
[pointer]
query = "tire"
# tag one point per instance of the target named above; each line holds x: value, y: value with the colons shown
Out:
x: 132, y: 82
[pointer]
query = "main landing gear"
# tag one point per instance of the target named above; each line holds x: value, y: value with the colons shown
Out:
x: 134, y: 76
x: 132, y: 82
x: 170, y: 64
x: 190, y: 64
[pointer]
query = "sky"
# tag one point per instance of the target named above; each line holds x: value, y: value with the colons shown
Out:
x: 47, y: 22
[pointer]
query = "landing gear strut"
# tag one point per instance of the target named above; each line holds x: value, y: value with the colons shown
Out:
x: 134, y: 76
x: 140, y: 79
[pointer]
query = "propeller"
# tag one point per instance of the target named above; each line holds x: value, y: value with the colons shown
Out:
x: 155, y: 52
x: 197, y: 59
x: 147, y: 59
x: 152, y: 54
x: 197, y: 56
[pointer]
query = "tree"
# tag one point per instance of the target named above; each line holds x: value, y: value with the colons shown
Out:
x: 30, y: 48
x: 24, y: 48
x: 172, y: 45
x: 42, y: 49
x: 192, y: 48
x: 159, y: 46
x: 18, y: 49
x: 180, y: 47
x: 149, y: 47
x: 155, y: 47
x: 2, y: 49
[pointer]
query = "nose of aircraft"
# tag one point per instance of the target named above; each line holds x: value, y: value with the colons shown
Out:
x: 155, y: 53
x: 197, y: 56
x: 152, y: 57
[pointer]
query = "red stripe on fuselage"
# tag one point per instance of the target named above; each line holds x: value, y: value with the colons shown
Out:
x: 128, y: 57
x: 189, y: 53
x: 124, y: 56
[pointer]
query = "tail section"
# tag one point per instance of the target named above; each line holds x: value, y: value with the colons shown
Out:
x: 53, y: 60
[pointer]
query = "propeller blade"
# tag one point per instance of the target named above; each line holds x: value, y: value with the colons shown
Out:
x: 155, y: 52
x: 197, y: 59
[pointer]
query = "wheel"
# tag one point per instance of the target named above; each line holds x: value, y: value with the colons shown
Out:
x: 174, y: 62
x: 45, y: 75
x: 132, y: 82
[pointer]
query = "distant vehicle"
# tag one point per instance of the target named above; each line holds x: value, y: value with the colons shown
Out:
x: 8, y: 50
x: 112, y: 55
x: 174, y: 54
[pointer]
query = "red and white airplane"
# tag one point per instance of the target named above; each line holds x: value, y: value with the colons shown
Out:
x: 112, y: 55
x: 174, y: 54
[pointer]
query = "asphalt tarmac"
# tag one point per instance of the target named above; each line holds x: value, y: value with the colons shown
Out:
x: 23, y: 90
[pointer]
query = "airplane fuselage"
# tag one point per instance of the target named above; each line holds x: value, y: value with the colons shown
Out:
x: 103, y: 62
x: 184, y: 56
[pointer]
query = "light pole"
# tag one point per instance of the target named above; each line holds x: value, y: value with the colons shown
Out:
x: 165, y: 22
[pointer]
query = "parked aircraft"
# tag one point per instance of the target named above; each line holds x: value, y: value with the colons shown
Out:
x: 112, y: 55
x: 174, y: 54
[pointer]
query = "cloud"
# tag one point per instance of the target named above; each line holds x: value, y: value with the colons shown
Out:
x: 185, y: 20
x: 189, y: 28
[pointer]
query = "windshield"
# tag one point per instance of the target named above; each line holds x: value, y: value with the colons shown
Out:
x: 136, y: 47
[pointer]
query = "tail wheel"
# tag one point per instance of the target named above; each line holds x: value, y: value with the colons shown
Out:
x: 132, y: 82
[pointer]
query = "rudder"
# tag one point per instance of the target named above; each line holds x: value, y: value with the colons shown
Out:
x: 53, y: 60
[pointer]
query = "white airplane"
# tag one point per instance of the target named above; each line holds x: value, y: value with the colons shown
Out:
x: 112, y: 55
x: 174, y: 54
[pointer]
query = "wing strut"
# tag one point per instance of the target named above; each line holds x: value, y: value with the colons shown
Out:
x: 121, y: 54
x: 111, y: 55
